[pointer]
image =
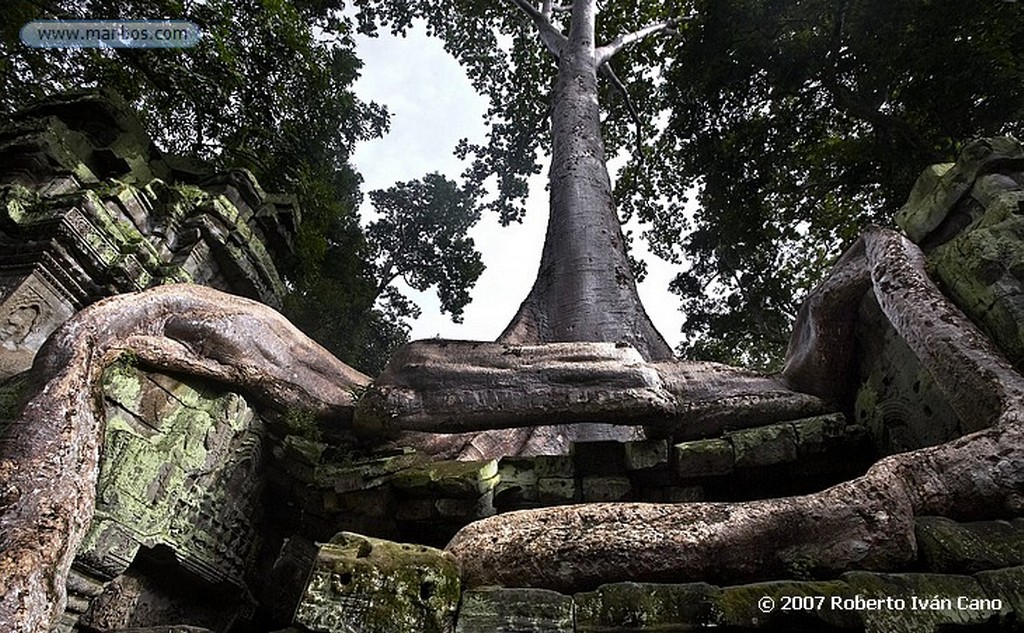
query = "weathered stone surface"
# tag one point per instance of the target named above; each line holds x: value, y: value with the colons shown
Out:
x: 1006, y: 585
x: 898, y: 400
x: 982, y: 269
x: 50, y: 457
x: 647, y: 607
x: 496, y: 610
x: 557, y: 466
x: 91, y: 208
x: 948, y: 547
x: 605, y: 488
x: 165, y: 629
x: 647, y: 454
x: 180, y: 469
x: 557, y: 491
x: 287, y: 579
x: 795, y: 605
x: 364, y: 584
x: 921, y: 602
x: 448, y: 479
x: 517, y: 483
x: 817, y: 435
x: 703, y: 458
x: 154, y: 598
x: 929, y: 207
x: 765, y: 446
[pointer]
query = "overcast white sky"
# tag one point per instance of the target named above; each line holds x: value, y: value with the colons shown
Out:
x: 433, y: 105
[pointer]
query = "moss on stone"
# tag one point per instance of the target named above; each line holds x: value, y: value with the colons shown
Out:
x: 648, y: 607
x: 945, y: 546
x: 703, y: 458
x: 374, y: 586
x: 501, y: 610
x: 918, y: 602
x: 456, y: 479
x: 741, y: 606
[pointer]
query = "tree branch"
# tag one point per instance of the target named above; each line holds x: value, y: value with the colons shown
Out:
x: 549, y: 35
x: 606, y: 52
x: 609, y: 74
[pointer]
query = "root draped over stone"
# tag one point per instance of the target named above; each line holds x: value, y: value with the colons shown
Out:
x: 865, y: 523
x: 49, y: 458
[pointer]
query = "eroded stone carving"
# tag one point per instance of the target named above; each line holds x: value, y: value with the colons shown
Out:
x: 87, y: 214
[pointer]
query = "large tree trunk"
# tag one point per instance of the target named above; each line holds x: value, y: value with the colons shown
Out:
x: 585, y: 290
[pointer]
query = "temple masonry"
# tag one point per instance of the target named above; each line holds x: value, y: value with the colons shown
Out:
x: 217, y: 514
x: 90, y: 208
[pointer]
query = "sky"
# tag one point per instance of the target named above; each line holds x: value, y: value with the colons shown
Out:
x: 433, y: 105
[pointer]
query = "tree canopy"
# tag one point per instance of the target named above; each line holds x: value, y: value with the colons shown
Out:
x: 796, y: 124
x: 790, y: 124
x: 269, y: 88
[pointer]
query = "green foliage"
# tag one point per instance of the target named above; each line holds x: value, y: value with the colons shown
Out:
x: 420, y: 235
x: 268, y: 89
x: 797, y: 123
x: 793, y: 124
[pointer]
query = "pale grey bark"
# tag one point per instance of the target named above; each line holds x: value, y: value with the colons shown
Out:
x: 585, y: 290
x: 866, y: 523
x: 820, y: 358
x: 460, y: 386
x: 49, y: 457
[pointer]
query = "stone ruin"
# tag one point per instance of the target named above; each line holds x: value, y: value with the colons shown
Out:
x: 215, y: 512
x: 92, y: 209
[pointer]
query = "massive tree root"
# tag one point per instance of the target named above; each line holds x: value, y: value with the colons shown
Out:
x: 49, y: 457
x: 462, y: 386
x: 866, y: 523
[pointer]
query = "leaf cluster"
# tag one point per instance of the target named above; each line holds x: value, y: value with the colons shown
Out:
x: 796, y: 123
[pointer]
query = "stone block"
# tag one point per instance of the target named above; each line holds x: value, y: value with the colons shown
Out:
x: 982, y: 270
x: 517, y: 482
x: 287, y: 579
x: 559, y: 466
x: 605, y: 488
x: 682, y: 494
x: 647, y: 454
x: 703, y: 458
x: 764, y: 446
x: 647, y: 607
x: 370, y: 585
x: 182, y: 469
x: 553, y: 490
x: 500, y: 610
x: 416, y: 510
x: 809, y: 606
x: 302, y: 450
x: 466, y: 509
x: 1006, y: 585
x: 375, y: 502
x: 898, y: 402
x: 920, y: 603
x: 818, y: 434
x: 454, y: 479
x: 945, y: 546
